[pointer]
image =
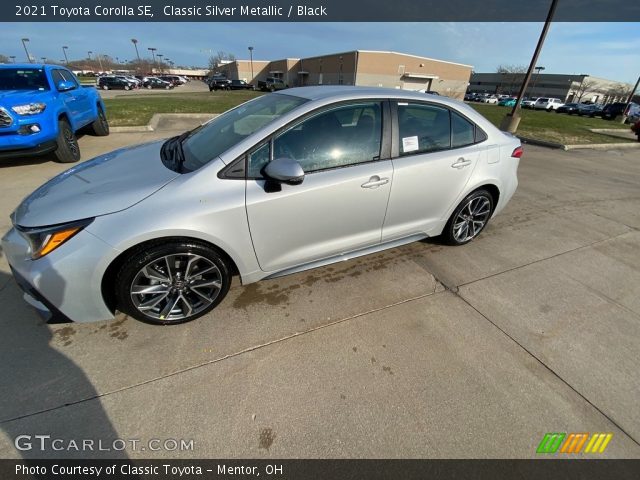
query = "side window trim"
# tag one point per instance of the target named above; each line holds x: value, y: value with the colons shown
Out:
x: 386, y: 147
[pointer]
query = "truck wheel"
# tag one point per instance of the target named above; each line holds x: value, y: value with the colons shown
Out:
x: 100, y: 126
x: 68, y: 150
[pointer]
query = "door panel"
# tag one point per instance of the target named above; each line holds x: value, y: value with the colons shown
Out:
x: 328, y: 214
x: 425, y: 187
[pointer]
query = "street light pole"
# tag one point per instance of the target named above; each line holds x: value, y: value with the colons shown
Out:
x: 153, y: 54
x: 251, y: 61
x: 135, y: 44
x: 160, y: 55
x: 511, y: 120
x: 535, y: 79
x: 13, y: 58
x: 64, y: 50
x: 24, y: 44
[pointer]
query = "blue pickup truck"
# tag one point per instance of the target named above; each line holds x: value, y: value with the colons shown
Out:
x: 41, y: 109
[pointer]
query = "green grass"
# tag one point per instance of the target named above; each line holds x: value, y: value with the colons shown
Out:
x: 555, y: 127
x: 138, y: 109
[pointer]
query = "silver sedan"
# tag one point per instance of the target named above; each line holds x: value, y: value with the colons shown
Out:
x: 285, y: 182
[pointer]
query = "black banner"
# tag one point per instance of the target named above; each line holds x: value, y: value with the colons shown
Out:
x: 322, y: 469
x: 316, y: 11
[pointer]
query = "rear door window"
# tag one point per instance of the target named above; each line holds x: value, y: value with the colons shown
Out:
x: 423, y: 128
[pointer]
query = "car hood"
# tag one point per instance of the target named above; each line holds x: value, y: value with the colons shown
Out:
x: 9, y: 98
x: 108, y: 183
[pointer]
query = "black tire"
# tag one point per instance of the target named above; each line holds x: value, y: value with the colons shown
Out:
x: 100, y: 126
x: 448, y: 234
x: 68, y: 150
x: 146, y: 254
x: 105, y: 87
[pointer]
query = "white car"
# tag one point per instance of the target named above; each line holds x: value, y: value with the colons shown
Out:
x: 529, y: 103
x: 548, y: 104
x: 491, y: 99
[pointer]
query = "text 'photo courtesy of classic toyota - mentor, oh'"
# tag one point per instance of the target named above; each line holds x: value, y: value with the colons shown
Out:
x: 288, y: 181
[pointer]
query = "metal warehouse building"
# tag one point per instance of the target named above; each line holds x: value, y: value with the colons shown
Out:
x: 359, y: 67
x: 568, y: 88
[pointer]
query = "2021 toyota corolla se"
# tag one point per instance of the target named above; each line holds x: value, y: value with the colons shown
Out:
x: 285, y: 182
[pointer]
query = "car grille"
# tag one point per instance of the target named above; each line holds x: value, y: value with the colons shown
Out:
x: 5, y: 118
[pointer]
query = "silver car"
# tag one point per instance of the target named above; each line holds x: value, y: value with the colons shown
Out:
x: 285, y: 182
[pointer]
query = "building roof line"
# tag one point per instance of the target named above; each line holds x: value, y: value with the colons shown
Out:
x: 415, y: 56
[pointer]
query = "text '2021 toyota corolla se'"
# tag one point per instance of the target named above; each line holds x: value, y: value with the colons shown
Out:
x: 285, y: 182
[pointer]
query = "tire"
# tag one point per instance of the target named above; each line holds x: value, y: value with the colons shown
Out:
x: 456, y: 231
x: 105, y: 87
x: 68, y: 150
x: 149, y: 87
x: 176, y: 298
x: 168, y: 87
x: 126, y: 87
x: 100, y: 126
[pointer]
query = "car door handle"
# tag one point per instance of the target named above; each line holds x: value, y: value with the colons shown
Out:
x: 375, y: 182
x: 461, y: 163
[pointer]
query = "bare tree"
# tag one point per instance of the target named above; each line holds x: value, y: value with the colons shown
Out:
x: 511, y: 74
x: 216, y: 60
x: 584, y: 87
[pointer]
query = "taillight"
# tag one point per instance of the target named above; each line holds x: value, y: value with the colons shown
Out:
x: 517, y: 153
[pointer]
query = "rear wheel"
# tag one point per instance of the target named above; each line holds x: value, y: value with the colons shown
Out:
x: 172, y: 283
x: 126, y: 87
x: 68, y: 150
x: 100, y: 125
x: 469, y: 218
x: 105, y: 87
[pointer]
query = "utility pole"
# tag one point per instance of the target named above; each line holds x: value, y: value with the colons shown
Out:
x: 135, y: 44
x: 251, y: 61
x: 535, y: 79
x: 64, y: 50
x: 626, y: 108
x: 511, y: 120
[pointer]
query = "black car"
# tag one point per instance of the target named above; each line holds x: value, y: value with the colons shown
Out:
x: 612, y: 110
x: 220, y: 84
x: 113, y: 83
x: 240, y: 85
x: 591, y: 110
x: 569, y: 108
x: 153, y: 82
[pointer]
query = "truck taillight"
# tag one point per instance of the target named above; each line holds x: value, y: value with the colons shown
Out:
x: 517, y: 153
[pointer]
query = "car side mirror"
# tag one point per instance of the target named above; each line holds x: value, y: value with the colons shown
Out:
x: 65, y: 86
x: 284, y: 170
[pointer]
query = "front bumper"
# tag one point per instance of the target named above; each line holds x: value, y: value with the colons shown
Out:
x: 29, y: 151
x: 67, y: 281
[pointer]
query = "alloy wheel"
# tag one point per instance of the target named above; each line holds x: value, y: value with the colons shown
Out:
x: 471, y: 219
x: 174, y: 287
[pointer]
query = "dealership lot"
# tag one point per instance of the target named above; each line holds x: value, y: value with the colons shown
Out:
x: 421, y: 351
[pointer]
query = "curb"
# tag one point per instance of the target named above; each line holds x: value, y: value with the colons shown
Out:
x: 155, y: 120
x: 586, y: 146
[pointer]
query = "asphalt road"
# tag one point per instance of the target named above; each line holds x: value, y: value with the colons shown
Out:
x: 420, y: 351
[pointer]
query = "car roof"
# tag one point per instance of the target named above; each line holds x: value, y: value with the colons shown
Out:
x: 348, y: 92
x: 27, y: 65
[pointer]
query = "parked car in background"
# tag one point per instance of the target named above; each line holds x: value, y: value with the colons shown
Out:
x: 635, y: 127
x: 613, y: 110
x: 154, y: 82
x: 492, y: 99
x: 548, y: 104
x: 507, y: 102
x: 173, y: 80
x: 430, y: 92
x: 469, y: 97
x: 569, y: 108
x: 529, y: 102
x: 592, y: 110
x: 288, y: 182
x: 271, y: 84
x: 240, y: 85
x: 220, y: 84
x: 114, y: 83
x: 41, y: 109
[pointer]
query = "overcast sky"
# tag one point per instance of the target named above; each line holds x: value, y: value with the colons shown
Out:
x: 609, y: 50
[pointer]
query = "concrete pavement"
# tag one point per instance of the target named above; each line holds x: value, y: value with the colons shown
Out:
x: 536, y: 331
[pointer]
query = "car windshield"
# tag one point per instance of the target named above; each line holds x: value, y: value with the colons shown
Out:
x: 228, y: 129
x: 23, y: 79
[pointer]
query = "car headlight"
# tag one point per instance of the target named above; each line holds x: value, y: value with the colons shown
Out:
x: 44, y: 240
x: 29, y: 108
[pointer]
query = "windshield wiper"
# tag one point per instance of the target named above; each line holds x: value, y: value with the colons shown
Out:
x: 173, y: 152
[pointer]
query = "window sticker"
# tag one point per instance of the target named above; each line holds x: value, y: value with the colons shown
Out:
x: 409, y: 144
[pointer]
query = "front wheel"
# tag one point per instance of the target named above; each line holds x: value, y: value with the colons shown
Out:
x: 68, y: 150
x: 170, y: 283
x: 469, y: 218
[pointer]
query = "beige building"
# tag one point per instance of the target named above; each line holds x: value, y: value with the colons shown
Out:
x: 359, y: 67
